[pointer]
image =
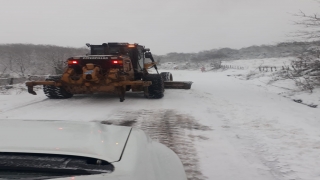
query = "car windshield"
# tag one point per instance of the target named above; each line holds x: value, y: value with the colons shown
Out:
x: 46, y: 166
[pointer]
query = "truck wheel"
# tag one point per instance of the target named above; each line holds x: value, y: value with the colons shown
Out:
x: 166, y: 76
x: 157, y: 88
x: 55, y: 92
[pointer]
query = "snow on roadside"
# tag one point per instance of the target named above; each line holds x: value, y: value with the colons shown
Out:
x: 253, y: 64
x: 264, y: 79
x: 271, y: 80
x: 273, y: 133
x: 261, y: 121
x: 257, y: 133
x: 16, y: 95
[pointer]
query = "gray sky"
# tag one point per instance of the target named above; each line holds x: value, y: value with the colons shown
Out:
x: 162, y: 25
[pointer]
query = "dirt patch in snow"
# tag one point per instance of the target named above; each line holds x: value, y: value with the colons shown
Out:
x: 168, y: 127
x: 127, y: 123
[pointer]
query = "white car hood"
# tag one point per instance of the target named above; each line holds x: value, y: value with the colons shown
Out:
x: 87, y: 139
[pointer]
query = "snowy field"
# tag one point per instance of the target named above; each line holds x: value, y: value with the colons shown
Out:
x: 254, y: 63
x: 225, y: 127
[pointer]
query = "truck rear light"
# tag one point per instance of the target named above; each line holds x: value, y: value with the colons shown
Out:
x: 116, y: 62
x: 70, y: 62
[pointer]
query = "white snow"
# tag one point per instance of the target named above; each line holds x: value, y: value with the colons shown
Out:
x: 252, y: 64
x: 258, y: 132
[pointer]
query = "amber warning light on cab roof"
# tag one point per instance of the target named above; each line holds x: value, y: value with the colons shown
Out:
x: 131, y: 46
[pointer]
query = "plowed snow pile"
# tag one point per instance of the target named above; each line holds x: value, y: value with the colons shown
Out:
x: 226, y: 127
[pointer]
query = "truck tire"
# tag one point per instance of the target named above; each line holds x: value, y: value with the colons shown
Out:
x: 55, y: 92
x: 166, y: 76
x: 157, y: 88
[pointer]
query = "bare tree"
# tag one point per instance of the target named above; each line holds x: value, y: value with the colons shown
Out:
x: 19, y: 60
x: 310, y: 24
x: 3, y: 70
x: 25, y: 59
x: 57, y: 56
x: 306, y: 68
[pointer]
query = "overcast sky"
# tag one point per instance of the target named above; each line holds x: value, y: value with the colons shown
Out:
x: 162, y: 25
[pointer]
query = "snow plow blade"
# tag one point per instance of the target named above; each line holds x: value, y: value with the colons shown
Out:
x: 177, y: 84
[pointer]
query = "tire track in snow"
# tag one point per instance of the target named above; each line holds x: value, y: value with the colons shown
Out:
x: 170, y: 128
x: 24, y: 105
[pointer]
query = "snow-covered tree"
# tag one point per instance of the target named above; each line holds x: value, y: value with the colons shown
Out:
x: 307, y: 64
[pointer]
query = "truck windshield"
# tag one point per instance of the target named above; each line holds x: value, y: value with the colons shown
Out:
x: 109, y: 50
x: 99, y: 50
x: 114, y: 50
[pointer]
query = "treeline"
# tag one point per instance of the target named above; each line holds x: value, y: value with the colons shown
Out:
x: 252, y: 52
x: 29, y: 59
x: 20, y: 60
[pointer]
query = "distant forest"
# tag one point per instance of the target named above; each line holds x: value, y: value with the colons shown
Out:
x: 28, y: 59
x: 20, y: 60
x: 253, y: 52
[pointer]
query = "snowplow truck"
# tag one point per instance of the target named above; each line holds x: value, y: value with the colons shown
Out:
x: 110, y: 68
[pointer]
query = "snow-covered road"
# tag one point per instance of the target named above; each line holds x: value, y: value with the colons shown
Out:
x: 223, y: 128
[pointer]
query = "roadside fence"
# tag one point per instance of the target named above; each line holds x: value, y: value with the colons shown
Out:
x: 231, y: 67
x: 267, y: 68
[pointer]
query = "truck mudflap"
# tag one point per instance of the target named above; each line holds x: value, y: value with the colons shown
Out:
x: 30, y: 85
x: 177, y: 84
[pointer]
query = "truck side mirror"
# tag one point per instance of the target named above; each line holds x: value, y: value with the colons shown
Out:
x: 146, y: 49
x: 148, y: 55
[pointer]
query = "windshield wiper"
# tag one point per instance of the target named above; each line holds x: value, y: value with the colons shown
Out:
x: 40, y: 165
